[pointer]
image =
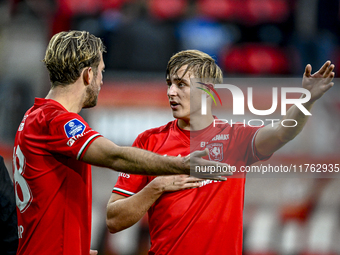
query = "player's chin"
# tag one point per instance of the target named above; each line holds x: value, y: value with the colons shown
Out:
x: 91, y: 104
x: 177, y: 115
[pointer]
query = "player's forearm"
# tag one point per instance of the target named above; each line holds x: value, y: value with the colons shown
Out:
x: 272, y: 137
x: 137, y: 161
x: 102, y: 152
x: 294, y: 121
x: 124, y: 213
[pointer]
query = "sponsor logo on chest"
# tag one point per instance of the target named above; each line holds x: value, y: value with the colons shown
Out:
x: 221, y: 137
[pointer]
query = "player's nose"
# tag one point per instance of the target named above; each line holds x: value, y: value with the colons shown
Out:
x: 172, y: 91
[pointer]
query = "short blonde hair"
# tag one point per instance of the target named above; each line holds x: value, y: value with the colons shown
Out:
x: 68, y: 53
x: 199, y: 63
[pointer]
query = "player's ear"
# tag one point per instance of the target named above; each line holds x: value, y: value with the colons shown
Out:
x: 207, y: 95
x: 210, y: 86
x: 87, y: 75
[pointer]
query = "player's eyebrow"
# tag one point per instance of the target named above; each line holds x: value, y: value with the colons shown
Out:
x: 177, y: 79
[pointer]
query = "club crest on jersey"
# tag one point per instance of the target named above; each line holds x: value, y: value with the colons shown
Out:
x: 215, y: 151
x: 74, y: 127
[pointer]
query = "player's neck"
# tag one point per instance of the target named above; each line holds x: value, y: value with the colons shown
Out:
x: 70, y: 97
x: 196, y: 123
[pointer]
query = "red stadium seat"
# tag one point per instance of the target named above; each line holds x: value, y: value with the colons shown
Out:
x: 113, y: 4
x: 167, y: 9
x: 73, y: 7
x: 260, y: 11
x: 69, y: 9
x: 218, y: 9
x: 255, y: 59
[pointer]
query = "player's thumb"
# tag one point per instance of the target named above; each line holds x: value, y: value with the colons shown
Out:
x: 203, y: 153
x: 308, y: 70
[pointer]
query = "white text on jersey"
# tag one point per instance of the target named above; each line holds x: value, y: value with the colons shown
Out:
x: 220, y: 137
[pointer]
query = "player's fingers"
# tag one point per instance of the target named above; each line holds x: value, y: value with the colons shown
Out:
x: 308, y: 70
x: 186, y: 179
x: 328, y: 86
x: 191, y: 185
x: 212, y: 176
x: 193, y: 179
x: 179, y: 178
x: 329, y: 78
x: 323, y: 69
x: 328, y: 71
x: 202, y: 153
x: 184, y: 184
x: 216, y: 178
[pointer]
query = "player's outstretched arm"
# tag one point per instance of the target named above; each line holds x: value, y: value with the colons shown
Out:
x: 102, y: 152
x: 270, y: 138
x: 122, y: 212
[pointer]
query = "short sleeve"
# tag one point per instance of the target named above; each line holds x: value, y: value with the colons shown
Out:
x: 246, y: 144
x: 130, y: 184
x: 70, y: 135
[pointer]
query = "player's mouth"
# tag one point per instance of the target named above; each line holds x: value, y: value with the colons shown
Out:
x: 174, y: 105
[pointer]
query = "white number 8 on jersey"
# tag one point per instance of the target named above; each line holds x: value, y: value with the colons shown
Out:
x: 22, y: 190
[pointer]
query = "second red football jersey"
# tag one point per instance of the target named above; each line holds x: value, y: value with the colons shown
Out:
x: 205, y: 220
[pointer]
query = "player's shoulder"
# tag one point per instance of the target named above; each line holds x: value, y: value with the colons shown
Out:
x: 46, y: 109
x: 58, y: 114
x: 165, y: 129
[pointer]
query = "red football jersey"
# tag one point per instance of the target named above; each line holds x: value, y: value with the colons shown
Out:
x: 53, y: 188
x: 205, y: 220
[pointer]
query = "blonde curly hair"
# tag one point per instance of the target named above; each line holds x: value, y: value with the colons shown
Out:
x: 68, y: 53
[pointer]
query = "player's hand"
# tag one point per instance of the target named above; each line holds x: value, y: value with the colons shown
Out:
x: 175, y: 182
x: 319, y: 82
x: 206, y: 169
x: 93, y: 252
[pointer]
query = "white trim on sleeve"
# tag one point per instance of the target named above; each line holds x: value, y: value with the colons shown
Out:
x: 85, y: 144
x: 124, y: 191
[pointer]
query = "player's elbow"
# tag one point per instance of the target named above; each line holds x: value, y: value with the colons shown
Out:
x: 286, y: 137
x: 289, y: 131
x: 283, y: 139
x: 113, y: 225
x: 115, y: 221
x: 112, y: 219
x: 286, y: 134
